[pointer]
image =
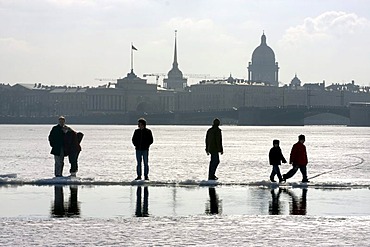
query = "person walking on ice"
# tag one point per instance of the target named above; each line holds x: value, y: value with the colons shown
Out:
x: 298, y: 158
x: 142, y: 139
x: 275, y: 158
x: 214, y: 147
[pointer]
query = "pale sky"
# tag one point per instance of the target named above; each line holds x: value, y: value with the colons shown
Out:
x: 73, y: 42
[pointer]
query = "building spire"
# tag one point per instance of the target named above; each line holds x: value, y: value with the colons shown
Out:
x: 263, y: 38
x: 175, y: 64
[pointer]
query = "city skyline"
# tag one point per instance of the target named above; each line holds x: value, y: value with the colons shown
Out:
x: 74, y: 42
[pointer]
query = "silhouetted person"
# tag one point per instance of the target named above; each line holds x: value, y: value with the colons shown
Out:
x: 274, y: 207
x: 214, y: 147
x: 213, y: 202
x: 142, y: 139
x: 56, y: 139
x: 142, y: 209
x: 59, y: 208
x: 298, y: 206
x: 72, y: 148
x: 298, y: 158
x: 275, y: 158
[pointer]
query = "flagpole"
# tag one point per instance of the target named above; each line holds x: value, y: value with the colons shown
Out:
x: 132, y: 58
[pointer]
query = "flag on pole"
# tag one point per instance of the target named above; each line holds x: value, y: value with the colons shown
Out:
x: 133, y: 47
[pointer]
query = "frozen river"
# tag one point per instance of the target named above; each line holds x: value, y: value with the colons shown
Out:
x: 178, y: 207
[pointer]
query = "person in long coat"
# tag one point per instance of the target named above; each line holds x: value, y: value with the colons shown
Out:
x: 56, y: 141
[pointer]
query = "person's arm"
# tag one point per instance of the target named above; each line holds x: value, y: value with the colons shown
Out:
x: 51, y: 137
x: 134, y: 138
x: 151, y: 140
x: 282, y: 157
x: 292, y: 155
x: 270, y: 156
x: 220, y: 143
x: 207, y: 142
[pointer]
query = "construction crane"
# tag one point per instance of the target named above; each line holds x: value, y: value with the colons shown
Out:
x: 204, y: 76
x: 157, y: 75
x: 106, y: 79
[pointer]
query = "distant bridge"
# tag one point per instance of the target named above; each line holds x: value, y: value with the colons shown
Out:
x: 291, y: 115
x: 357, y: 113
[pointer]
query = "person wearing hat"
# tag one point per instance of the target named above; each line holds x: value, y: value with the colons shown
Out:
x: 275, y: 158
x: 56, y: 141
x: 298, y: 158
x: 214, y: 147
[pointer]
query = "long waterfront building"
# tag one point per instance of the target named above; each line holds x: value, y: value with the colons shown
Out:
x: 133, y: 94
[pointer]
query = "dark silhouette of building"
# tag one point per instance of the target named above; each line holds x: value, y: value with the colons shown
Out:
x: 295, y: 82
x: 263, y: 67
x: 123, y: 101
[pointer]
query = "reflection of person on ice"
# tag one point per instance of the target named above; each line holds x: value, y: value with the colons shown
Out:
x: 213, y: 147
x: 275, y: 158
x: 298, y: 158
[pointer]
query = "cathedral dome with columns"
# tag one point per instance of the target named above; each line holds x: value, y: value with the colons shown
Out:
x: 263, y: 67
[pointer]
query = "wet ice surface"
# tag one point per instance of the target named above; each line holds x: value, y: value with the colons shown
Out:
x: 176, y: 216
x: 243, y: 210
x: 194, y: 230
x: 178, y: 153
x: 172, y: 201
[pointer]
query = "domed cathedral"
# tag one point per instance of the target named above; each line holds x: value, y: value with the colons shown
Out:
x: 175, y: 78
x: 295, y: 82
x: 263, y: 67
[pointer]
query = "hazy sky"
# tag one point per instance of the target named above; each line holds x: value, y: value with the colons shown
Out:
x: 72, y: 42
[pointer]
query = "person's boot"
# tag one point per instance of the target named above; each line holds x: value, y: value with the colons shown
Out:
x: 146, y: 178
x: 138, y: 178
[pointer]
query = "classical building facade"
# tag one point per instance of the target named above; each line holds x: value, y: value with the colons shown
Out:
x: 133, y: 94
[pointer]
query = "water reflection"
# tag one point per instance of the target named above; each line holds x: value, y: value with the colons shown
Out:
x: 214, y: 205
x: 297, y: 205
x: 142, y: 208
x: 274, y: 206
x: 69, y: 209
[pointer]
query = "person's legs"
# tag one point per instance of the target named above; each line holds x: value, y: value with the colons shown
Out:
x: 59, y: 164
x: 138, y: 160
x: 276, y: 169
x: 291, y: 172
x: 303, y: 170
x: 146, y: 203
x: 215, y: 160
x: 73, y: 158
x: 273, y: 173
x: 146, y: 165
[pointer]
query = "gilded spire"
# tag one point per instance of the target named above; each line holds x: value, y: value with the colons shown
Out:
x: 175, y: 64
